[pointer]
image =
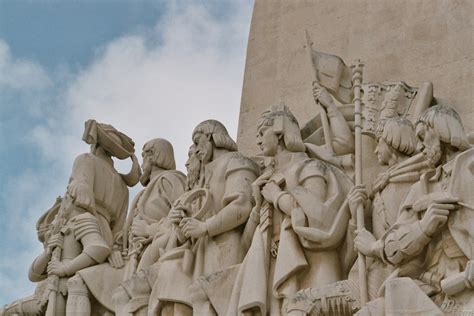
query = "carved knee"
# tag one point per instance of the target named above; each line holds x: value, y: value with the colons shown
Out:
x: 76, y: 286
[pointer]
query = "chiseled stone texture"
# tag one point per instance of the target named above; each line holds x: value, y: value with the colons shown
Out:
x: 407, y: 40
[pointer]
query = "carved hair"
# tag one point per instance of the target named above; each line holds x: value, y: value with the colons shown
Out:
x: 447, y: 124
x: 218, y: 132
x: 284, y: 123
x: 399, y: 133
x: 162, y: 153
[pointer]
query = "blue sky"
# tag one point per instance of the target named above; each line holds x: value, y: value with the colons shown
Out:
x: 150, y: 68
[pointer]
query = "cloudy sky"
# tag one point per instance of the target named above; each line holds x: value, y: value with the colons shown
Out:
x: 150, y: 68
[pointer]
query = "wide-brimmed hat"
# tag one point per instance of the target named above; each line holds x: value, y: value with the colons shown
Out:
x: 114, y: 142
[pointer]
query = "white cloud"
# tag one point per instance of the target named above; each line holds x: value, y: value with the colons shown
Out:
x: 158, y: 83
x: 20, y: 74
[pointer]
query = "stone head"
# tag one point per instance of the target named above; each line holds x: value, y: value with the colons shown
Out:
x: 193, y: 167
x: 395, y: 136
x: 210, y: 135
x: 439, y: 128
x: 159, y: 153
x: 276, y: 128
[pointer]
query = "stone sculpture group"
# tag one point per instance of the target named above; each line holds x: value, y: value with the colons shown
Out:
x: 281, y: 233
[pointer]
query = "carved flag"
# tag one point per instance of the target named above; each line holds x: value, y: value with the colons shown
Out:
x: 333, y: 74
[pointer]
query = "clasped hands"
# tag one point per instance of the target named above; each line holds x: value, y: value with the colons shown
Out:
x: 190, y: 227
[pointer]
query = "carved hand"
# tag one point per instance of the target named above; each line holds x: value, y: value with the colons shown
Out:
x: 140, y: 228
x: 322, y: 96
x: 357, y: 195
x: 57, y: 268
x: 177, y: 213
x: 193, y: 228
x: 437, y: 215
x: 365, y: 242
x: 270, y: 191
x: 55, y: 241
x: 115, y: 259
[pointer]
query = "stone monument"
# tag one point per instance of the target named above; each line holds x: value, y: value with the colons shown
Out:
x: 349, y: 192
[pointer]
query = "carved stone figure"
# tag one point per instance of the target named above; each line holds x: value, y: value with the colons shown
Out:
x: 147, y: 220
x: 89, y: 220
x: 431, y: 243
x: 132, y: 296
x: 291, y: 246
x: 211, y: 238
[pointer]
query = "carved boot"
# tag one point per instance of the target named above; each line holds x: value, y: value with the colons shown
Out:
x: 78, y: 303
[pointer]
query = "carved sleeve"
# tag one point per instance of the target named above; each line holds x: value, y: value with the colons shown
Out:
x: 81, y: 182
x: 342, y: 139
x: 87, y: 231
x: 403, y: 242
x: 237, y: 202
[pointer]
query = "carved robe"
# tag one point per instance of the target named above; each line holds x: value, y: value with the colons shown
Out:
x: 152, y: 204
x: 282, y: 260
x: 228, y: 179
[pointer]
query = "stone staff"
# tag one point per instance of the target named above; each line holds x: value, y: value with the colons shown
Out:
x: 53, y: 280
x: 357, y: 82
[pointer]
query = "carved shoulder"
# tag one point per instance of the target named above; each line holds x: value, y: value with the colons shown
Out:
x: 239, y: 162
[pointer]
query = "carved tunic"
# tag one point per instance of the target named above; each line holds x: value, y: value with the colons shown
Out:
x: 434, y: 258
x: 106, y: 190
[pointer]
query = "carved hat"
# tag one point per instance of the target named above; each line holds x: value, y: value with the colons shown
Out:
x: 114, y: 142
x: 218, y: 133
x: 284, y: 123
x: 447, y: 124
x: 398, y: 133
x: 162, y: 153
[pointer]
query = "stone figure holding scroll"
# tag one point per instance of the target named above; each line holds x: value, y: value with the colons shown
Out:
x: 147, y: 220
x: 431, y: 243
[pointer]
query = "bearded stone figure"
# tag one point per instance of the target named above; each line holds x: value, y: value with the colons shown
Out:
x: 132, y: 295
x: 208, y: 237
x: 295, y: 232
x: 431, y: 243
